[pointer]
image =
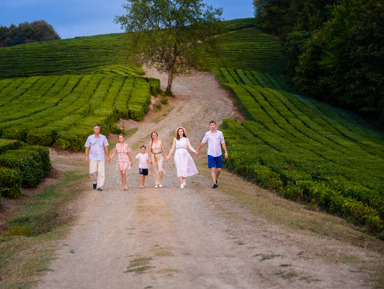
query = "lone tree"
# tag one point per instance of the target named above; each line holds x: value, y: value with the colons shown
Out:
x: 171, y: 35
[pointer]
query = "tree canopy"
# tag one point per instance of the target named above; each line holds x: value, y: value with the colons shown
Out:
x: 335, y: 47
x: 171, y: 34
x: 27, y: 33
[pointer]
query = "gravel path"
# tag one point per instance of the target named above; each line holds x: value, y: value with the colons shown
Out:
x: 191, y: 238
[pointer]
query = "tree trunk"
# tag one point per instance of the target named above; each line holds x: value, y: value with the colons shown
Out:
x: 170, y: 79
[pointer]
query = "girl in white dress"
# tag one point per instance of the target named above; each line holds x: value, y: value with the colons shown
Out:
x: 185, y: 165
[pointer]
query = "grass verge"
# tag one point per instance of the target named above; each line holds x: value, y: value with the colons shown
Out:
x: 27, y: 241
x: 308, y: 220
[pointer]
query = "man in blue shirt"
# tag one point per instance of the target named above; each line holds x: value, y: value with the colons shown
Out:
x: 95, y: 146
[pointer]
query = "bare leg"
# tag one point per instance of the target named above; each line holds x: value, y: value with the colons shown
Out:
x: 214, y: 175
x: 218, y: 171
x: 181, y: 180
x: 141, y: 181
x: 123, y: 179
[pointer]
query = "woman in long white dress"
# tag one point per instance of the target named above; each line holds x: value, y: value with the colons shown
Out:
x: 185, y: 165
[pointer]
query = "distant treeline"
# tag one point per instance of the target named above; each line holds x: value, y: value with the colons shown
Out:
x: 26, y: 32
x: 335, y: 48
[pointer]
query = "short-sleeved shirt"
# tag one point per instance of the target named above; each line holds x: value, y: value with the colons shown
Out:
x: 214, y: 142
x: 96, y: 147
x: 143, y: 158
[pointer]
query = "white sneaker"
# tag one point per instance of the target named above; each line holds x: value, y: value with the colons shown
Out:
x: 160, y: 186
x: 156, y: 186
x: 182, y: 186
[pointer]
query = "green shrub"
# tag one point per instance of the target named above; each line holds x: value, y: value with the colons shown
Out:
x: 27, y: 162
x: 18, y: 133
x: 44, y: 156
x: 116, y: 129
x: 136, y: 112
x: 9, y: 144
x: 164, y: 100
x: 155, y: 86
x: 10, y: 182
x: 42, y: 136
x: 168, y: 92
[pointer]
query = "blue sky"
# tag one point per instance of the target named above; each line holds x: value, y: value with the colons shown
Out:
x: 71, y: 18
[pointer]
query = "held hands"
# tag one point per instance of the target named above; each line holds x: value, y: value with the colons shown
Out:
x: 167, y: 158
x: 197, y: 153
x: 108, y: 159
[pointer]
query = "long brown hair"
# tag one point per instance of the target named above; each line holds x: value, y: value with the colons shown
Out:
x: 177, y: 133
x: 152, y: 137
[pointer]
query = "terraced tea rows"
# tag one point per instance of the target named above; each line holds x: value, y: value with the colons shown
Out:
x: 81, y: 55
x: 250, y: 49
x: 61, y: 110
x: 304, y: 149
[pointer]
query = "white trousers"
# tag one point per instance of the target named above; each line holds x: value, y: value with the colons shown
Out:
x: 97, y: 172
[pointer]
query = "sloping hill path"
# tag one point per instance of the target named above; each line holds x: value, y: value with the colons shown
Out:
x: 195, y: 237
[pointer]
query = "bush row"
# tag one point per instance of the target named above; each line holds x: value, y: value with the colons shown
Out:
x: 23, y: 167
x: 341, y: 197
x: 61, y: 110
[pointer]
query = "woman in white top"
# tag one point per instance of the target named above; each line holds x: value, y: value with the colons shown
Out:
x: 184, y: 163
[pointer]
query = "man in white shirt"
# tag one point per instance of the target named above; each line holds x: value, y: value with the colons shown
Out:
x: 95, y: 146
x: 215, y: 139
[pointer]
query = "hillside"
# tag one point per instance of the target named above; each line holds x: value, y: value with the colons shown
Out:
x: 302, y: 149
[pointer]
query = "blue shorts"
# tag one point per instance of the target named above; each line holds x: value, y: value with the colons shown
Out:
x: 215, y: 162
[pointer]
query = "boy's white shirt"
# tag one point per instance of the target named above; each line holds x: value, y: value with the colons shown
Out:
x: 143, y: 164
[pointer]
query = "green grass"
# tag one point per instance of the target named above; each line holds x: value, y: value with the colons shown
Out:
x: 27, y: 241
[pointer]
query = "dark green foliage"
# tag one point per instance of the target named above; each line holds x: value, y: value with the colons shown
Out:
x: 343, y: 63
x: 171, y: 35
x: 9, y: 144
x: 29, y: 164
x: 41, y: 136
x: 24, y: 167
x: 27, y: 33
x: 44, y: 157
x: 294, y: 47
x: 304, y: 150
x: 281, y: 17
x: 155, y: 86
x: 10, y: 182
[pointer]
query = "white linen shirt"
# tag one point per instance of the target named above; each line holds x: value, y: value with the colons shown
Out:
x: 96, y: 147
x: 143, y: 158
x: 214, y: 142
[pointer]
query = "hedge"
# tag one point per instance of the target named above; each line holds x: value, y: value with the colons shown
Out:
x: 32, y: 163
x: 9, y: 144
x: 10, y: 182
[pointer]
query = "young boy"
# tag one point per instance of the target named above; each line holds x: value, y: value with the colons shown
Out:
x: 143, y: 164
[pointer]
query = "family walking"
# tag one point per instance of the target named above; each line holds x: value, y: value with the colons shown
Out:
x: 97, y: 152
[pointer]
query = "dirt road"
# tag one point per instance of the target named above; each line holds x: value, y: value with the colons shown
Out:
x: 195, y: 237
